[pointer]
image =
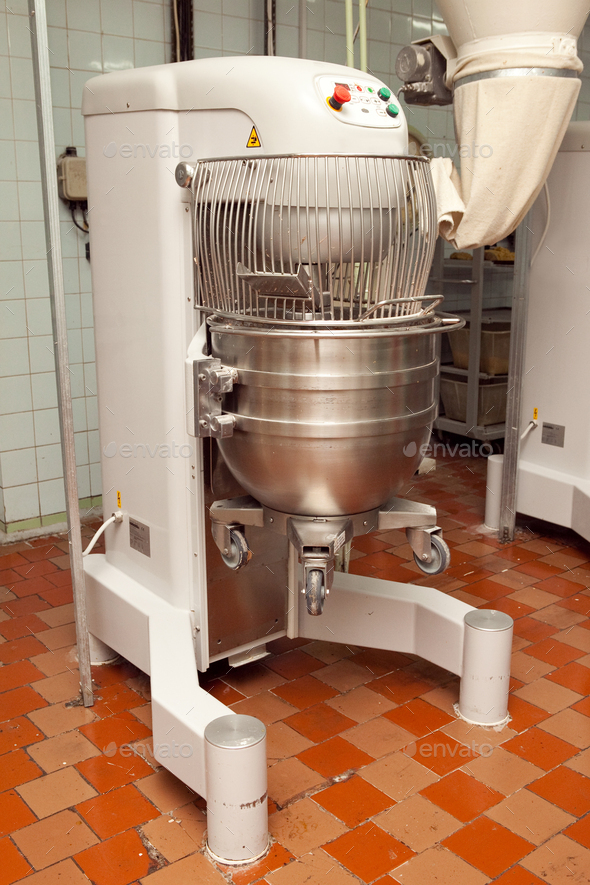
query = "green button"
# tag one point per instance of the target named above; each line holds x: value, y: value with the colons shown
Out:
x: 384, y: 93
x: 392, y: 110
x: 370, y: 89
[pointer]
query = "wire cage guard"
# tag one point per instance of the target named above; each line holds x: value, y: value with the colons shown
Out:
x: 314, y: 239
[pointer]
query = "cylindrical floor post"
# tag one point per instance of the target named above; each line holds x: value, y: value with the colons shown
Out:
x: 237, y: 810
x: 487, y: 647
x: 494, y: 491
x: 100, y: 653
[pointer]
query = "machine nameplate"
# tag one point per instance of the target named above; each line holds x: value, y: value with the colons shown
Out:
x: 139, y: 537
x: 553, y: 435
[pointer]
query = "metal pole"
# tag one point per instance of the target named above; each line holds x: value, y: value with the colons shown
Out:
x: 349, y: 33
x: 302, y: 28
x: 471, y: 414
x: 38, y: 20
x: 363, y: 34
x: 520, y: 296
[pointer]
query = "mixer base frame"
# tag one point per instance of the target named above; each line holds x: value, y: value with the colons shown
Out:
x: 319, y: 539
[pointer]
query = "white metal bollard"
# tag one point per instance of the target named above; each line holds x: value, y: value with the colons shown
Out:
x: 100, y: 653
x: 494, y: 491
x: 237, y: 810
x: 485, y: 680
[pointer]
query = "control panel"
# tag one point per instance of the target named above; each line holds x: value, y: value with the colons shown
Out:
x: 361, y: 102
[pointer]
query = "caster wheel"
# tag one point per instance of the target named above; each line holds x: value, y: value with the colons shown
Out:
x: 315, y: 592
x: 441, y: 557
x: 239, y: 554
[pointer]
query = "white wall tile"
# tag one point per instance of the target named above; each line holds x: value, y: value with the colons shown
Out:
x: 83, y: 15
x: 34, y: 244
x: 6, y: 121
x: 19, y: 36
x: 49, y: 462
x: 16, y: 431
x: 13, y: 321
x: 8, y: 201
x: 10, y: 242
x: 11, y: 280
x: 118, y: 53
x: 56, y: 13
x: 46, y: 427
x: 41, y: 354
x: 117, y: 17
x: 39, y: 316
x: 44, y: 388
x: 14, y: 357
x: 21, y: 502
x: 27, y: 160
x: 15, y: 394
x: 148, y: 20
x: 18, y: 467
x: 52, y: 496
x: 30, y: 201
x: 21, y: 72
x: 84, y: 51
x: 36, y: 279
x: 7, y: 158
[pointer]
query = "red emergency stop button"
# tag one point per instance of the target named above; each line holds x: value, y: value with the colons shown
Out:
x: 339, y: 97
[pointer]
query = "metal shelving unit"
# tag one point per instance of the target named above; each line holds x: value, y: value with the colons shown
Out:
x: 475, y: 281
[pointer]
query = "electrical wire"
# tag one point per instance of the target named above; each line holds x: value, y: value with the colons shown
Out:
x: 116, y: 517
x: 540, y: 246
x: 73, y: 211
x: 176, y: 29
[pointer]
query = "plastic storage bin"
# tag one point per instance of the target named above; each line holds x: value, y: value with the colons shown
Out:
x: 491, y: 405
x: 495, y: 348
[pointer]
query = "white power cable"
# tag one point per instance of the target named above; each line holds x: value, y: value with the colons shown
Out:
x: 116, y: 517
x: 540, y: 246
x: 530, y: 426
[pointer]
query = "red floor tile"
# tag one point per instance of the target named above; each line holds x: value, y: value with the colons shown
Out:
x: 441, y: 753
x: 565, y: 788
x: 18, y: 674
x: 509, y: 606
x: 582, y: 706
x: 17, y: 768
x: 27, y: 625
x: 560, y: 586
x: 121, y: 729
x: 31, y: 587
x: 57, y: 595
x: 113, y: 673
x: 19, y: 701
x: 334, y: 757
x: 319, y: 723
x: 276, y: 858
x: 418, y: 717
x: 400, y: 686
x: 294, y: 664
x: 116, y: 811
x: 35, y: 569
x: 223, y: 692
x: 368, y: 852
x: 580, y: 831
x: 16, y: 733
x: 353, y: 801
x: 10, y: 560
x: 523, y: 714
x: 119, y: 861
x: 304, y: 692
x: 379, y: 662
x: 554, y: 652
x: 14, y: 814
x: 489, y: 590
x: 19, y: 649
x: 105, y: 773
x: 573, y: 676
x: 533, y: 630
x: 115, y: 698
x: 488, y: 846
x: 462, y: 796
x: 579, y: 604
x: 519, y: 876
x: 368, y: 544
x: 13, y: 866
x: 539, y: 570
x: 540, y: 748
x: 17, y: 607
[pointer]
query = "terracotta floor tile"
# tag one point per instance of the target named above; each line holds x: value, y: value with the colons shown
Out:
x: 440, y: 753
x: 579, y: 604
x: 316, y: 866
x: 482, y: 740
x: 54, y: 792
x: 559, y: 617
x: 19, y: 649
x: 368, y: 851
x: 112, y: 699
x: 59, y: 595
x: 253, y: 679
x: 334, y: 757
x: 117, y: 861
x: 66, y: 749
x: 169, y: 838
x: 476, y: 549
x: 399, y: 686
x: 106, y: 773
x: 444, y: 697
x: 566, y: 788
x: 116, y: 811
x: 290, y: 778
x: 440, y: 866
x: 56, y: 617
x: 418, y: 717
x: 58, y: 661
x: 398, y: 775
x: 576, y: 636
x: 379, y: 737
x: 16, y: 733
x: 547, y: 694
x: 293, y: 664
x: 369, y: 543
x: 224, y: 693
x: 513, y: 579
x: 283, y: 742
x: 580, y: 831
x: 15, y: 628
x: 19, y: 701
x: 17, y: 607
x: 61, y: 687
x: 14, y: 814
x: 345, y: 675
x: 574, y: 676
x: 553, y: 652
x: 522, y: 713
x: 418, y: 823
x: 304, y: 692
x: 121, y: 729
x: 277, y: 858
x: 165, y: 790
x: 361, y: 704
x: 530, y: 816
x: 528, y: 669
x: 17, y: 768
x: 264, y: 706
x: 570, y: 726
x: 63, y: 873
x: 57, y: 718
x: 18, y: 674
x: 503, y: 771
x: 353, y: 801
x: 518, y: 876
x: 13, y: 866
x: 304, y: 826
x: 330, y: 652
x: 539, y: 570
x: 540, y: 748
x: 534, y: 597
x: 318, y: 723
x: 510, y: 607
x: 488, y: 846
x: 533, y: 630
x: 54, y: 839
x: 380, y: 661
x: 560, y: 862
x: 488, y: 589
x: 461, y: 796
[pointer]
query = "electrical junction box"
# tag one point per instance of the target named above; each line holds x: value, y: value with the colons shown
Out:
x: 71, y: 176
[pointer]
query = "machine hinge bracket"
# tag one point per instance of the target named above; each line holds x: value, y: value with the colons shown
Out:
x: 211, y: 382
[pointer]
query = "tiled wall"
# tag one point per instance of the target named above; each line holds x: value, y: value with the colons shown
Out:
x: 87, y: 37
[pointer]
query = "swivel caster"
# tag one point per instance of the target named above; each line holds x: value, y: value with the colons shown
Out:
x: 440, y: 557
x: 239, y: 553
x: 315, y: 591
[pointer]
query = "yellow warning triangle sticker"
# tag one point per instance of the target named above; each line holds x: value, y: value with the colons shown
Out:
x: 253, y: 140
